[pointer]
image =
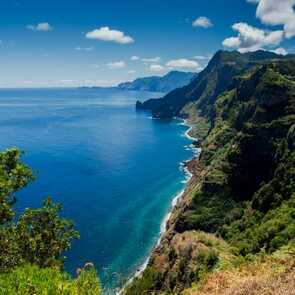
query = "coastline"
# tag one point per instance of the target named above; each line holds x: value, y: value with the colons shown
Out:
x: 175, y: 201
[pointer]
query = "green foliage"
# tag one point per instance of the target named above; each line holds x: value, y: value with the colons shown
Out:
x: 206, y: 260
x: 201, y: 124
x: 43, y: 235
x: 29, y: 279
x: 32, y: 244
x: 255, y: 231
x: 249, y: 161
x: 14, y: 175
x: 10, y: 256
x: 39, y: 236
x: 144, y: 284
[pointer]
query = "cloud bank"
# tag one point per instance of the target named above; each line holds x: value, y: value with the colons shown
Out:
x: 251, y: 39
x: 277, y: 12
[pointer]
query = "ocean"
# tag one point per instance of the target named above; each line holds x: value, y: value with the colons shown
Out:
x: 115, y: 170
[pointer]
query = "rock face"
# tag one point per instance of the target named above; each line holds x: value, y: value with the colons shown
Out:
x: 243, y: 188
x: 170, y: 81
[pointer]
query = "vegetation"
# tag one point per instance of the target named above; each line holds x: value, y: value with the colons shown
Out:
x: 245, y: 191
x: 234, y: 232
x: 264, y: 274
x: 32, y: 243
x: 216, y: 78
x: 31, y: 279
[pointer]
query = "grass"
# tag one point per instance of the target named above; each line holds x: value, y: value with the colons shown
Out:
x: 29, y: 280
x: 265, y: 275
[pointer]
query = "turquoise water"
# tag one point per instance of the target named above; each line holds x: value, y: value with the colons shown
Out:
x: 115, y: 170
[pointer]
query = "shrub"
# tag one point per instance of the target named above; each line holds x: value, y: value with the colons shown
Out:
x: 31, y: 279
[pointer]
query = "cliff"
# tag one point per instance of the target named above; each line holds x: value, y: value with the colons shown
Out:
x: 236, y: 220
x: 217, y: 77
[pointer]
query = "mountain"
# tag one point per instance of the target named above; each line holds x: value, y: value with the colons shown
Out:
x: 170, y: 81
x: 213, y: 80
x: 233, y: 230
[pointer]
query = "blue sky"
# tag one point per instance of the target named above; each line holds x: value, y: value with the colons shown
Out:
x: 98, y: 42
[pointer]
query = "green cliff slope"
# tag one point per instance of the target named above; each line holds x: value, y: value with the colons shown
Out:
x: 239, y: 208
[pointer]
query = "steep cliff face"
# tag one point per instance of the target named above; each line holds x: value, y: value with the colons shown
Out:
x: 243, y: 189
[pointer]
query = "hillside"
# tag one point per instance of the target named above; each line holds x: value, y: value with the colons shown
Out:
x: 166, y: 83
x: 233, y: 231
x: 213, y: 80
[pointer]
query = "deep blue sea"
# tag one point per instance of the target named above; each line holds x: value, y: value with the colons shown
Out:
x: 115, y: 170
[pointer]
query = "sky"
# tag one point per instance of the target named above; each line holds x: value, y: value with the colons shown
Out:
x: 66, y: 43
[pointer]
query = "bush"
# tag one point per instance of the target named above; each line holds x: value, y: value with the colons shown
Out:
x: 29, y: 279
x: 31, y: 245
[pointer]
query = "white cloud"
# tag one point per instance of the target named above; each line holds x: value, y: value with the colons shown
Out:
x: 131, y: 72
x: 232, y: 42
x: 182, y: 63
x: 156, y: 68
x: 202, y: 57
x: 45, y: 27
x: 251, y: 39
x: 116, y: 65
x: 107, y: 34
x: 134, y: 58
x: 281, y: 51
x: 203, y: 22
x: 277, y: 12
x: 78, y: 48
x: 151, y: 59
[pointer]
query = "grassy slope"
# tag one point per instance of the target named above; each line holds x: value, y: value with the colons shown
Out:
x: 266, y: 274
x: 245, y: 192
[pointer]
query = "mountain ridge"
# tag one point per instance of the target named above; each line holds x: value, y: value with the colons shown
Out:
x: 166, y: 83
x: 221, y: 69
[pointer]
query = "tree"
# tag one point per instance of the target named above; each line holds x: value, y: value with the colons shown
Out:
x: 43, y: 235
x: 38, y: 236
x: 14, y: 175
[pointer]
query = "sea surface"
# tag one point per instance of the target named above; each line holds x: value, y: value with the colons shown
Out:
x: 115, y: 170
